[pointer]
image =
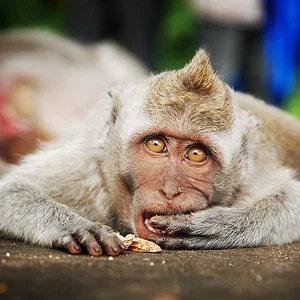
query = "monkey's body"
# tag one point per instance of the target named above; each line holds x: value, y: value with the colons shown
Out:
x: 280, y: 131
x: 47, y: 82
x: 178, y: 158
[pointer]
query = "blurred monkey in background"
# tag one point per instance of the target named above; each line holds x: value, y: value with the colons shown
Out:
x: 47, y: 82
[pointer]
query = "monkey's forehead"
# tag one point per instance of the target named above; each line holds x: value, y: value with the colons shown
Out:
x: 170, y: 101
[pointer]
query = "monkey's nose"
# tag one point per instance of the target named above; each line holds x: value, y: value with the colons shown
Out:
x: 170, y: 193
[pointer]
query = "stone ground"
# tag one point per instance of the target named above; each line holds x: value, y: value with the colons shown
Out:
x: 30, y: 272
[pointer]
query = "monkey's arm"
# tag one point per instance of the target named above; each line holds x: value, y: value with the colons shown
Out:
x: 271, y: 220
x: 33, y: 216
x: 40, y: 200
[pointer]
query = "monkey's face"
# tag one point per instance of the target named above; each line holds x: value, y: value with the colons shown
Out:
x: 179, y: 133
x: 171, y: 174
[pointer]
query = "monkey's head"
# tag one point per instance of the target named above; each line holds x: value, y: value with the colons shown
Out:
x: 180, y: 138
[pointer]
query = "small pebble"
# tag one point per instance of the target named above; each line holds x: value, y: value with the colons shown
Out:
x: 258, y: 278
x: 146, y: 259
x: 110, y: 258
x: 151, y: 264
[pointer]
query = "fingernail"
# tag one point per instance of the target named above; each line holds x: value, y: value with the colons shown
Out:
x: 115, y: 249
x: 76, y: 247
x: 154, y: 221
x: 123, y: 247
x: 96, y: 248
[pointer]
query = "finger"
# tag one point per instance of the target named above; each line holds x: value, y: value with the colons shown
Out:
x: 112, y: 245
x: 167, y: 242
x: 86, y: 239
x: 69, y: 244
x: 192, y: 243
x: 172, y: 224
x: 73, y: 248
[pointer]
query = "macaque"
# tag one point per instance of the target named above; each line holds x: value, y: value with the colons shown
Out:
x: 47, y: 82
x: 178, y: 158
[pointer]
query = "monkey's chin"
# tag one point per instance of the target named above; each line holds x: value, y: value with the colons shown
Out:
x: 143, y: 227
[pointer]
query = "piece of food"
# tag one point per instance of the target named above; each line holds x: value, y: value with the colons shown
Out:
x: 136, y: 244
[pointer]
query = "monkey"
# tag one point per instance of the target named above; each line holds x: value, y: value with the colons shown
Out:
x: 48, y: 81
x: 178, y: 158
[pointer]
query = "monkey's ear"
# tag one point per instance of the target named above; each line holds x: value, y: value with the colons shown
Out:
x: 114, y: 94
x: 198, y: 74
x: 110, y: 94
x: 20, y: 96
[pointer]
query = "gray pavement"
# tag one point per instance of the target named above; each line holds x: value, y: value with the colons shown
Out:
x: 31, y: 272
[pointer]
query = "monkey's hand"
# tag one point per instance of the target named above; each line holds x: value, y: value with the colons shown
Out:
x: 218, y: 227
x: 271, y: 221
x: 94, y: 237
x: 32, y: 216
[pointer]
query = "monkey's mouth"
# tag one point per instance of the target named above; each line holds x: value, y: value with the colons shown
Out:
x: 143, y: 226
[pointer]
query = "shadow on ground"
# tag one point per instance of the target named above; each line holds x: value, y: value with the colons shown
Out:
x: 30, y: 272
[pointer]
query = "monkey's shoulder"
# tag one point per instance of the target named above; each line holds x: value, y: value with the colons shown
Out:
x: 279, y: 131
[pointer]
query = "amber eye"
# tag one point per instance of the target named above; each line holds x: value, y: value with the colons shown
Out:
x: 156, y: 144
x: 196, y: 154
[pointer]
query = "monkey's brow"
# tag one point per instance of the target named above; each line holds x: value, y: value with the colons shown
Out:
x: 184, y: 136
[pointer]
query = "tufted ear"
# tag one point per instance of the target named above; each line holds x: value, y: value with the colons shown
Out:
x: 115, y: 95
x: 198, y: 74
x: 194, y: 94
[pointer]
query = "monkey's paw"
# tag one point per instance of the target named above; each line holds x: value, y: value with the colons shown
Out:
x: 95, y: 238
x: 217, y: 227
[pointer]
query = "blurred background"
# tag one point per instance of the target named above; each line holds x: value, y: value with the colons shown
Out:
x: 253, y: 44
x: 244, y: 38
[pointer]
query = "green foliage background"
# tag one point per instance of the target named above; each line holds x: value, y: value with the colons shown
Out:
x: 177, y: 40
x: 178, y: 35
x: 48, y: 14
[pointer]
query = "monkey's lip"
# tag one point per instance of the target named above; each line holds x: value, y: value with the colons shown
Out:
x: 143, y: 227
